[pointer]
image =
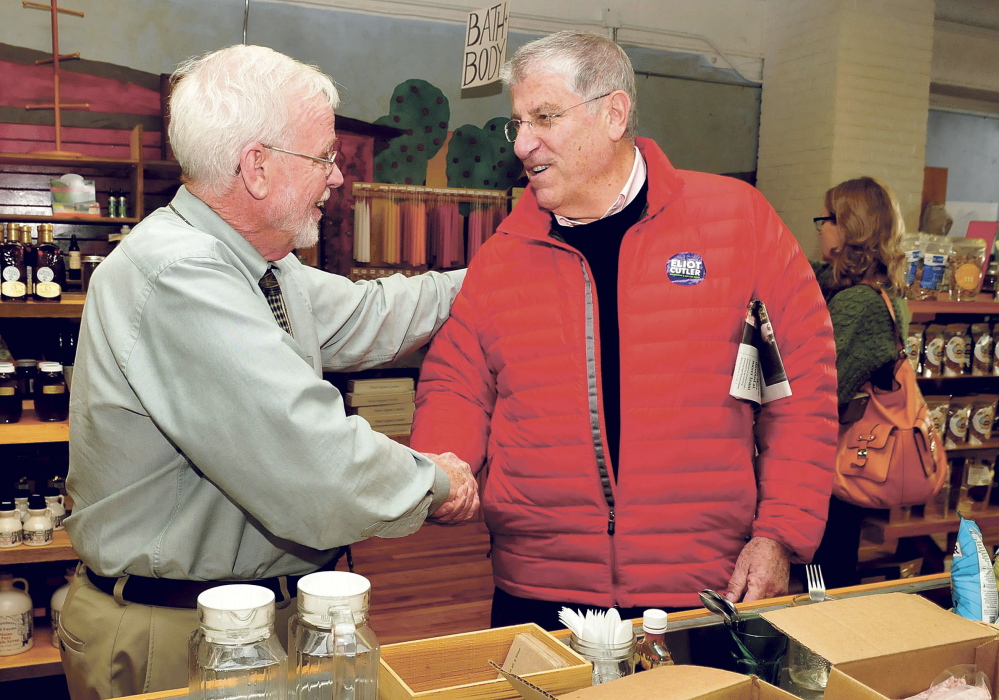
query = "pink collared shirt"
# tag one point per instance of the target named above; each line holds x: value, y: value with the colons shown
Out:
x: 631, y: 189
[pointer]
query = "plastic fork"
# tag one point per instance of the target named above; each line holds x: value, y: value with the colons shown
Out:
x: 816, y: 584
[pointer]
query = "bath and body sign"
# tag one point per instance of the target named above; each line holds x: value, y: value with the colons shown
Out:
x: 485, y: 45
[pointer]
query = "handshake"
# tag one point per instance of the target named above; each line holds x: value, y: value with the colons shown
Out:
x: 463, y: 499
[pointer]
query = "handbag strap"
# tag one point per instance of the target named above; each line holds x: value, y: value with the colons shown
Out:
x: 891, y: 313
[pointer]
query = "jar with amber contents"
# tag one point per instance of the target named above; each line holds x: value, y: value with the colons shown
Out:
x: 10, y: 394
x: 51, y: 394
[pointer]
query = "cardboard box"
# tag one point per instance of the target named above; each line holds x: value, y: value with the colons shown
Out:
x: 891, y: 645
x: 676, y: 683
x: 456, y: 667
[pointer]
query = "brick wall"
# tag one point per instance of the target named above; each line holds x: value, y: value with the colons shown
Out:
x: 845, y: 94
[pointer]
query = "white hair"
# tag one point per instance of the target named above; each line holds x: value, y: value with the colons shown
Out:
x: 228, y: 98
x: 591, y: 65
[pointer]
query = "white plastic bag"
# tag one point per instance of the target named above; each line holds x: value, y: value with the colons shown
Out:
x: 957, y: 683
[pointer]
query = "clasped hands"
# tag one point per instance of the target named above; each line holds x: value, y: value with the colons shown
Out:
x: 463, y: 498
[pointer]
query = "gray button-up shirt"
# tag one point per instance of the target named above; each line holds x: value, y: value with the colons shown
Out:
x: 204, y: 443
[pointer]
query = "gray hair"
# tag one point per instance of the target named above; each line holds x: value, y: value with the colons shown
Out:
x: 228, y: 98
x: 591, y: 65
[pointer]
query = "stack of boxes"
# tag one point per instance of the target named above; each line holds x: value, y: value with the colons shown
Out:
x: 387, y: 404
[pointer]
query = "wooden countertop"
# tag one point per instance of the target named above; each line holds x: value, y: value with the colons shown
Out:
x: 679, y: 618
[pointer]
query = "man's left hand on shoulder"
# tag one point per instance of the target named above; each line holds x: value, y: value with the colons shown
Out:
x: 761, y: 571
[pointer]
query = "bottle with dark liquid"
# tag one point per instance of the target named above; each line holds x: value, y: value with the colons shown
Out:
x: 29, y: 258
x: 13, y: 274
x: 51, y: 393
x: 10, y: 394
x: 73, y: 268
x: 49, y: 276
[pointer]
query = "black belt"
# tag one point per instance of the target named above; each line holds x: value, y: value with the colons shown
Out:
x: 180, y: 593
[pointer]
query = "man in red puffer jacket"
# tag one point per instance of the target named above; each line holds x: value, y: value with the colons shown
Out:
x: 587, y: 361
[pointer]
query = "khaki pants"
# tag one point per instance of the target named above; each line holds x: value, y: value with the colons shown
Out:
x: 112, y: 649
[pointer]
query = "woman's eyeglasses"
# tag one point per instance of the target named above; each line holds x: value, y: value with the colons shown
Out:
x: 820, y: 221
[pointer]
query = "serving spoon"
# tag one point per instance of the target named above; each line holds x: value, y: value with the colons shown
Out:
x: 720, y: 605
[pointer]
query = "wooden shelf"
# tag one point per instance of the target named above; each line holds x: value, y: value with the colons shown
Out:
x: 967, y: 449
x: 30, y: 430
x: 70, y: 306
x: 84, y: 161
x: 923, y: 310
x: 60, y: 550
x: 879, y: 530
x: 42, y: 659
x: 66, y: 219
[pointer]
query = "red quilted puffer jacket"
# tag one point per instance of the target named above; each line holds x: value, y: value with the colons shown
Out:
x: 512, y: 385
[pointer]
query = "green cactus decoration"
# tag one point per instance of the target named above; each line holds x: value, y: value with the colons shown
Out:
x: 482, y: 158
x: 422, y: 110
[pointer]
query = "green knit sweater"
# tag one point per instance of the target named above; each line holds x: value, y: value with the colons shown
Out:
x: 863, y: 331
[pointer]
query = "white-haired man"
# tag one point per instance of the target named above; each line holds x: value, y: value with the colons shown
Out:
x: 586, y: 366
x: 205, y: 447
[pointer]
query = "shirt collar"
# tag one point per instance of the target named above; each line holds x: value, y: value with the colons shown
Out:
x: 197, y: 214
x: 631, y: 189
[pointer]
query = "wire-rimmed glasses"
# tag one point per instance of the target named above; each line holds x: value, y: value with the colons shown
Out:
x: 512, y: 127
x: 327, y: 163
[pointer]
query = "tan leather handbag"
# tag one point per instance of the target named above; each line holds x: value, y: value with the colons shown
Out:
x: 891, y: 456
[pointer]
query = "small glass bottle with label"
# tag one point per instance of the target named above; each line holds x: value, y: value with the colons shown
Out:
x: 49, y: 275
x: 51, y: 393
x: 37, y: 529
x: 11, y: 399
x: 10, y: 524
x: 73, y: 261
x: 652, y: 651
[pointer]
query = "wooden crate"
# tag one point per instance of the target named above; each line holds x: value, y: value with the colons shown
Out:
x: 456, y: 667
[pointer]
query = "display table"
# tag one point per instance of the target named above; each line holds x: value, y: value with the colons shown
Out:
x: 690, y: 619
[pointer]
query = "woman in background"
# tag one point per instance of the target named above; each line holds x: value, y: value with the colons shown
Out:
x: 861, y: 234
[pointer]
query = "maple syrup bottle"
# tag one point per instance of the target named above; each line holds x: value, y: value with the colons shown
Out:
x: 29, y: 258
x: 49, y: 275
x: 13, y: 284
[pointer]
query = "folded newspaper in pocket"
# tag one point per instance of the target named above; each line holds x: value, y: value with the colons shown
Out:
x: 759, y: 375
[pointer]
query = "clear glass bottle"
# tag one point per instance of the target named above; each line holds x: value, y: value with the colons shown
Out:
x: 652, y: 651
x: 51, y: 393
x: 10, y: 524
x: 37, y: 528
x: 336, y: 654
x: 11, y: 398
x: 235, y: 653
x: 55, y: 605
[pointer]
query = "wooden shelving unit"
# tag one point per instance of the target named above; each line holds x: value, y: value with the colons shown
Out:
x: 60, y: 550
x: 924, y: 310
x: 70, y: 306
x: 42, y: 659
x: 880, y: 531
x: 884, y: 532
x: 30, y: 430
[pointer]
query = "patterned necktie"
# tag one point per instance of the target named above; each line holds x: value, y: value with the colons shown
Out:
x: 272, y: 290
